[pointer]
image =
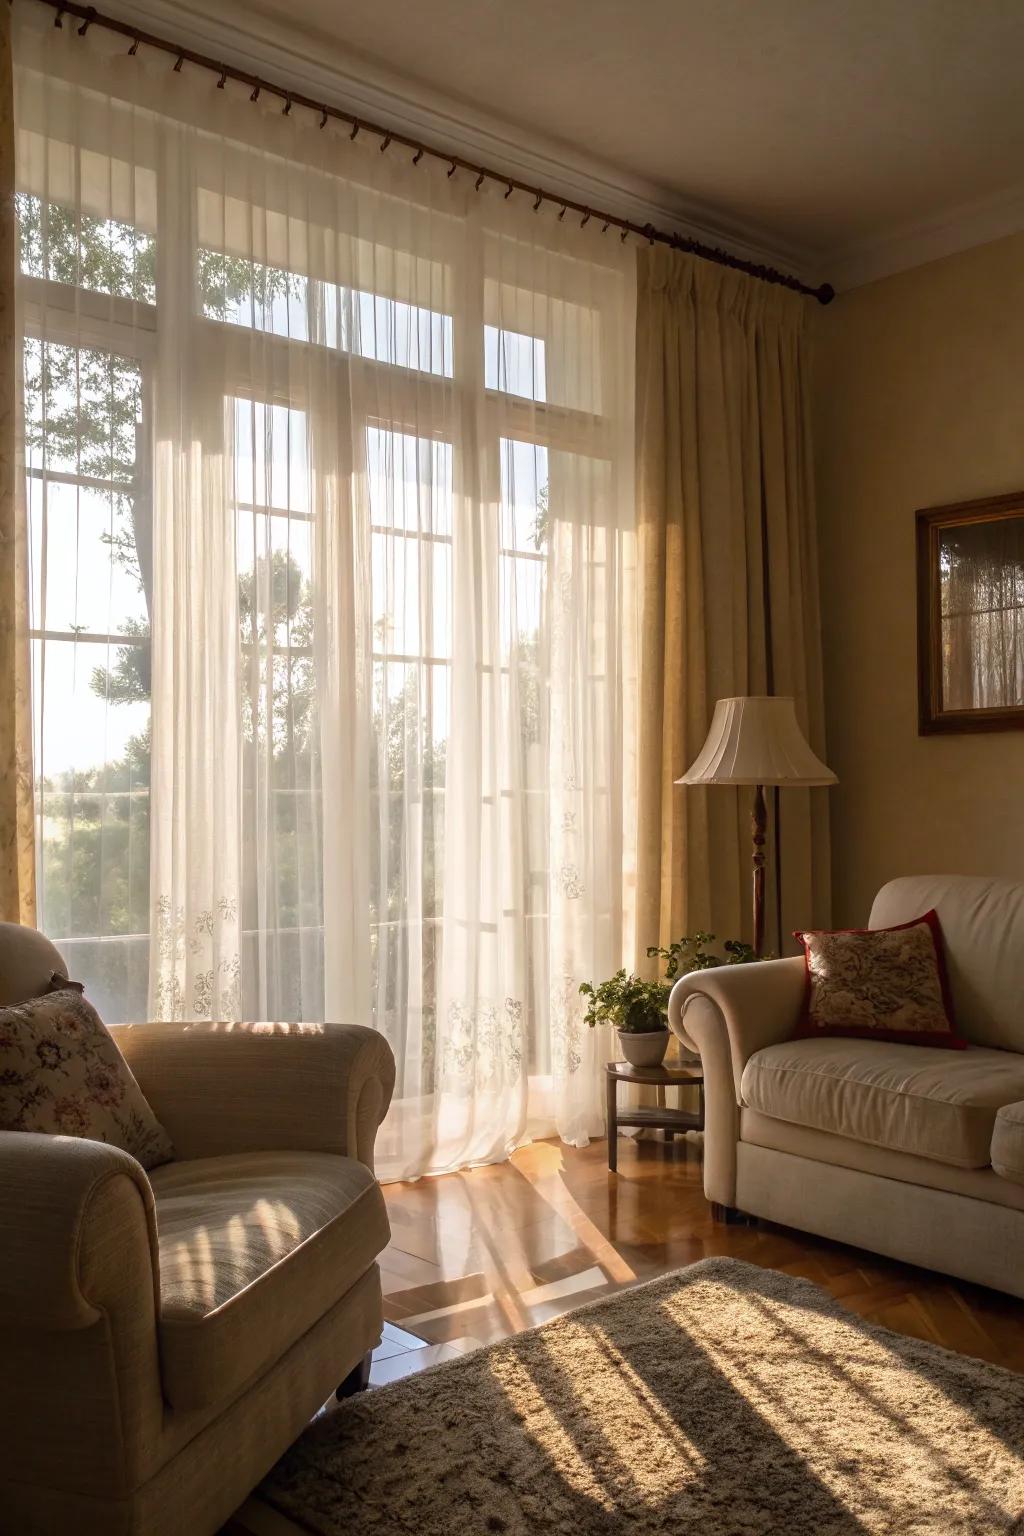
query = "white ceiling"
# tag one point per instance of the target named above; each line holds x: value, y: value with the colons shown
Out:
x: 851, y: 136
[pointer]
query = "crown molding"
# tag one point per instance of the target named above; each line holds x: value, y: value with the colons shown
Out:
x: 913, y: 244
x: 367, y: 89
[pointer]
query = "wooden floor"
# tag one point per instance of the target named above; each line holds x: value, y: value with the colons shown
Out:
x: 480, y: 1255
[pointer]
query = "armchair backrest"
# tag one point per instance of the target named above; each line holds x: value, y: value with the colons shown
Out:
x: 983, y: 927
x: 27, y: 963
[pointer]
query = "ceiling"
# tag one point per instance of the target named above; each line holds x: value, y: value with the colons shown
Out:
x: 823, y: 128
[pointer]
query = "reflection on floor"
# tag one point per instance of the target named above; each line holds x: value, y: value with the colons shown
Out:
x: 480, y: 1255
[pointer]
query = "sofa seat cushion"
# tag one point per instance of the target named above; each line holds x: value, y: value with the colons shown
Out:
x: 910, y: 1098
x: 254, y: 1249
x: 1008, y: 1143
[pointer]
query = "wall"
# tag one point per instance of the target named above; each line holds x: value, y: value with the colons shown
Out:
x: 919, y: 400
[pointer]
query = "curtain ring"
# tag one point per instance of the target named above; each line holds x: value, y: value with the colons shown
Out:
x: 605, y: 227
x: 287, y: 106
x: 508, y: 194
x: 479, y: 182
x: 622, y: 237
x: 585, y: 219
x: 355, y: 128
x: 87, y: 23
x: 178, y: 63
x: 561, y: 216
x: 451, y: 170
x: 385, y: 141
x: 223, y: 78
x: 539, y: 200
x: 58, y: 20
x: 418, y: 156
x: 323, y: 120
x: 255, y: 93
x: 133, y: 50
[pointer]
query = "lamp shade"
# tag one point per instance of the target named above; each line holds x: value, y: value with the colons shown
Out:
x: 756, y: 740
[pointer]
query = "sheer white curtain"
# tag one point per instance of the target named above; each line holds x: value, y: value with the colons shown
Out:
x: 329, y: 480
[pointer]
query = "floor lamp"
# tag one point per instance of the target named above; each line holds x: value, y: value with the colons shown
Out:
x: 757, y: 741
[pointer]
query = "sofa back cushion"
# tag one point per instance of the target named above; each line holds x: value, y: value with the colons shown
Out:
x: 983, y: 929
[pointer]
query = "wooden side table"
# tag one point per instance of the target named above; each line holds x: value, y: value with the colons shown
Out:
x: 656, y: 1116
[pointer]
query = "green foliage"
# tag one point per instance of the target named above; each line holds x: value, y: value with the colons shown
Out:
x: 637, y: 1006
x: 103, y: 255
x: 689, y: 954
x: 633, y: 1005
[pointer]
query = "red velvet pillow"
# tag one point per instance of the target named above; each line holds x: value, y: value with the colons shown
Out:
x: 880, y: 984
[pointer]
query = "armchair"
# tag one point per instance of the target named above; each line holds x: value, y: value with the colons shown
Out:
x: 166, y: 1336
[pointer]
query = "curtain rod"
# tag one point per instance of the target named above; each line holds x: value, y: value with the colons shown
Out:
x: 89, y: 16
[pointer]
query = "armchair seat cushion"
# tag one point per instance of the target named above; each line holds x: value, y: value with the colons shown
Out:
x: 1008, y: 1143
x: 254, y: 1249
x: 910, y: 1098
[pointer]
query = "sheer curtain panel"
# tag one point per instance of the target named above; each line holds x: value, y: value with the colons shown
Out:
x: 328, y: 475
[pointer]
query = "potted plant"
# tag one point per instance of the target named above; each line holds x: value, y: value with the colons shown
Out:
x: 639, y: 1009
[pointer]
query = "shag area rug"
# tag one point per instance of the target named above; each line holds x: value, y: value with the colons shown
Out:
x: 723, y: 1400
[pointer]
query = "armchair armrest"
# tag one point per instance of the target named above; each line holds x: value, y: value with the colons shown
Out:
x: 74, y: 1215
x: 220, y: 1088
x: 725, y: 1015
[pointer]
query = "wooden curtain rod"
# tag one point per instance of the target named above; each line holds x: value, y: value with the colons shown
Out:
x: 88, y: 16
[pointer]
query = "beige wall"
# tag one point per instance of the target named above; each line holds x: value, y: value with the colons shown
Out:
x: 919, y: 400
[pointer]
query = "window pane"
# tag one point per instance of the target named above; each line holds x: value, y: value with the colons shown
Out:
x: 247, y: 293
x: 103, y: 255
x: 411, y: 596
x: 524, y: 496
x: 83, y: 411
x: 515, y: 363
x: 410, y: 481
x: 90, y: 555
x: 92, y: 755
x: 271, y: 456
x: 84, y: 556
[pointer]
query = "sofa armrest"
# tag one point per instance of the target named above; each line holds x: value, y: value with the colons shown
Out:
x: 755, y: 1005
x: 220, y: 1088
x: 725, y: 1015
x: 74, y: 1215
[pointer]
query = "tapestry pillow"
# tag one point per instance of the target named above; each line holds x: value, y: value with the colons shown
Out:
x: 880, y: 984
x: 62, y: 1073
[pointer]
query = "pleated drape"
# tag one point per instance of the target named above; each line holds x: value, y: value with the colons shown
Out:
x: 727, y: 585
x: 17, y: 858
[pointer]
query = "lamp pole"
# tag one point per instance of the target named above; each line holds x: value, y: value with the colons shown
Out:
x: 759, y: 827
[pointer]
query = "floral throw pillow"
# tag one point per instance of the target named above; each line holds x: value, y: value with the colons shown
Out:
x: 61, y: 1072
x: 880, y: 984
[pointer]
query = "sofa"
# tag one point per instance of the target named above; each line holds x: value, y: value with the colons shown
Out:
x: 166, y: 1336
x: 911, y: 1151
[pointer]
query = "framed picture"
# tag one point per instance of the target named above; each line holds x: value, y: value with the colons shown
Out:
x: 970, y: 616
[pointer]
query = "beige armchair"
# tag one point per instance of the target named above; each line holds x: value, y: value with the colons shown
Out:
x: 165, y: 1337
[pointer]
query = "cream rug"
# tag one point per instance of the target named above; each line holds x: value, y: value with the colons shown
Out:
x: 724, y: 1400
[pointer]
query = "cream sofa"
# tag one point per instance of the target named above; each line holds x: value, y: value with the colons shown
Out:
x: 165, y: 1337
x: 906, y: 1150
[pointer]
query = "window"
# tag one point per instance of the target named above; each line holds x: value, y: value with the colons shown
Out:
x: 91, y: 583
x: 371, y: 413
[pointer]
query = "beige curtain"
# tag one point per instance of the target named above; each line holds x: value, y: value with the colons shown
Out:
x: 728, y: 585
x: 17, y: 863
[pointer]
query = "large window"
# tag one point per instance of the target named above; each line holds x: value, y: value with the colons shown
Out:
x: 355, y: 457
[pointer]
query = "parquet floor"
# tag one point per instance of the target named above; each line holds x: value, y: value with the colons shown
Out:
x: 480, y: 1255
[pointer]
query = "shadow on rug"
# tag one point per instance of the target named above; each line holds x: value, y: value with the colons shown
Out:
x: 724, y: 1400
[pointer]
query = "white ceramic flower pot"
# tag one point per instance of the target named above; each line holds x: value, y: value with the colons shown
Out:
x: 644, y: 1050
